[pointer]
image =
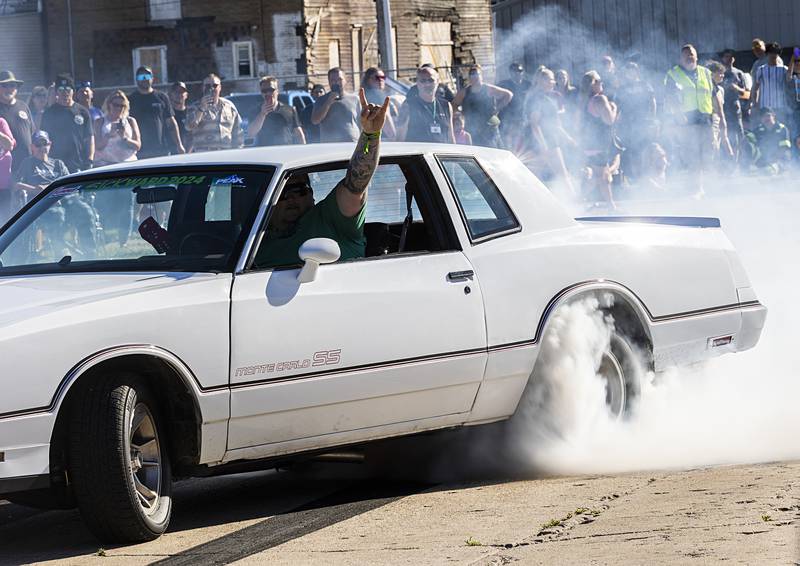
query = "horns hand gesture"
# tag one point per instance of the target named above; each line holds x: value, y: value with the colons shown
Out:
x: 372, y: 115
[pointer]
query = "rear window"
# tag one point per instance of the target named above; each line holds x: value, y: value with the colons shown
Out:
x: 484, y: 209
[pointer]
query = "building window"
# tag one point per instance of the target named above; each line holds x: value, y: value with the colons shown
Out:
x: 164, y: 9
x: 333, y: 54
x: 243, y: 59
x: 357, y: 41
x: 154, y: 57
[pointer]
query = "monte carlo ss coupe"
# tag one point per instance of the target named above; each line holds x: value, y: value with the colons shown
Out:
x: 142, y: 341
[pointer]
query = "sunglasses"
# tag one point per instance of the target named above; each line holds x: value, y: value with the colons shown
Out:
x: 41, y: 143
x: 144, y: 77
x: 379, y: 77
x: 267, y: 90
x: 9, y: 85
x: 297, y: 192
x: 212, y: 85
x: 117, y: 105
x: 64, y: 89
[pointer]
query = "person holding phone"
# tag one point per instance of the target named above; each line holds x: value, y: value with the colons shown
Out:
x: 337, y: 113
x: 214, y: 121
x: 116, y: 131
x: 770, y: 82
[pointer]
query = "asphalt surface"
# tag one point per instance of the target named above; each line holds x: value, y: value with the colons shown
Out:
x: 335, y: 514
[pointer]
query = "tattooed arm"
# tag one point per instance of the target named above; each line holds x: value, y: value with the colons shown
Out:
x: 351, y: 192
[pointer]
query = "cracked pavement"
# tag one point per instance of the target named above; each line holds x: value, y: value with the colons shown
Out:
x: 737, y: 514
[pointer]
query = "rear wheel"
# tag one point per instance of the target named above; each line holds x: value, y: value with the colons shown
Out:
x: 621, y: 371
x: 119, y: 463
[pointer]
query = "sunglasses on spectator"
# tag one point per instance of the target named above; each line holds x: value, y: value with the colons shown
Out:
x: 64, y: 89
x: 295, y: 192
x: 212, y: 85
x: 41, y: 143
x: 144, y: 77
x: 379, y: 77
x: 119, y: 105
x: 267, y: 90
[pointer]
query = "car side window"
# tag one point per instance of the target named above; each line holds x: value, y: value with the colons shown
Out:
x: 484, y: 209
x: 400, y: 216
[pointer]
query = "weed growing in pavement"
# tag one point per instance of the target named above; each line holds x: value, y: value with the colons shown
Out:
x: 473, y: 542
x: 582, y: 510
x: 551, y: 523
x: 766, y: 518
x: 101, y: 552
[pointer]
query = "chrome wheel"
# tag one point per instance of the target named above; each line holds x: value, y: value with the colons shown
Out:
x: 145, y: 458
x: 612, y: 373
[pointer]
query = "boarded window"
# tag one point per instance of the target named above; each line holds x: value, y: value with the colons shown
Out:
x: 435, y: 44
x: 164, y: 9
x: 357, y: 42
x: 333, y: 54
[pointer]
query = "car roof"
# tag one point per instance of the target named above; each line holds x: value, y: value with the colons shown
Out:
x: 291, y: 156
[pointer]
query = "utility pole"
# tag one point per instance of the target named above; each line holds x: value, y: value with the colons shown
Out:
x: 385, y: 43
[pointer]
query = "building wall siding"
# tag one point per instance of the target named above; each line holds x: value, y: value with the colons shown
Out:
x: 21, y: 40
x: 551, y: 31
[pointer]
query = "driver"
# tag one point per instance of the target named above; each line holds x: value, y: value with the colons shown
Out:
x: 339, y: 216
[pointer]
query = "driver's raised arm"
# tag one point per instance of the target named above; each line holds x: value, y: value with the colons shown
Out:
x: 351, y: 192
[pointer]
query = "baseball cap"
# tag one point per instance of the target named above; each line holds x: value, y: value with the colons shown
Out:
x: 179, y: 85
x: 85, y: 84
x: 516, y: 68
x: 64, y: 81
x: 40, y: 136
x: 7, y: 77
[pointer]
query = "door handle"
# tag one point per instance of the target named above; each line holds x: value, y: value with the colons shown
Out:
x: 455, y: 276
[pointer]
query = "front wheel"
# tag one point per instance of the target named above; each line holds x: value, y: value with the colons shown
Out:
x: 119, y: 463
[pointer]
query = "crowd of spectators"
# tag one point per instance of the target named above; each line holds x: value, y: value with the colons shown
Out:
x: 611, y: 130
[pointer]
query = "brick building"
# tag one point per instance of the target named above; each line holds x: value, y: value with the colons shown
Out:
x: 243, y: 39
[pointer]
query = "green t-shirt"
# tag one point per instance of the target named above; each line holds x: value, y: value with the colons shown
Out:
x: 325, y: 220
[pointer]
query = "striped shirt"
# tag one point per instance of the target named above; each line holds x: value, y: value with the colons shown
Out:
x: 772, y: 86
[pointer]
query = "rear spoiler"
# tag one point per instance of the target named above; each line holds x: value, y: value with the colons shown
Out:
x: 693, y: 221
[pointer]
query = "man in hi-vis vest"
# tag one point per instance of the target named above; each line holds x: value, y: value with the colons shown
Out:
x: 689, y: 89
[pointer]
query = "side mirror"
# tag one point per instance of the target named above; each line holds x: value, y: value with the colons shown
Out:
x: 314, y: 252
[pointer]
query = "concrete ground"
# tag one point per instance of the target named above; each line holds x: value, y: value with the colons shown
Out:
x: 738, y: 514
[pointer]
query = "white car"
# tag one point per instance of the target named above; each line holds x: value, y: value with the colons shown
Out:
x: 132, y: 356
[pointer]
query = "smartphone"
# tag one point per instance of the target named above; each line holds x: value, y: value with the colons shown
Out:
x: 208, y: 89
x: 797, y: 52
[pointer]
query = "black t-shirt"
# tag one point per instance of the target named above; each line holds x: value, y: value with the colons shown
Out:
x: 278, y: 126
x: 635, y: 100
x: 427, y: 121
x: 70, y: 129
x: 33, y: 171
x: 517, y: 104
x: 152, y: 111
x: 20, y: 120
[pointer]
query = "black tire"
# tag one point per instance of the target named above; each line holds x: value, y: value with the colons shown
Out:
x: 102, y: 460
x: 622, y: 356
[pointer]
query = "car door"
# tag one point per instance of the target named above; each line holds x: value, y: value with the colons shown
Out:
x: 372, y: 347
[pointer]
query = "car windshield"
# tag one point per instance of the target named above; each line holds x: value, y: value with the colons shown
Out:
x: 189, y: 220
